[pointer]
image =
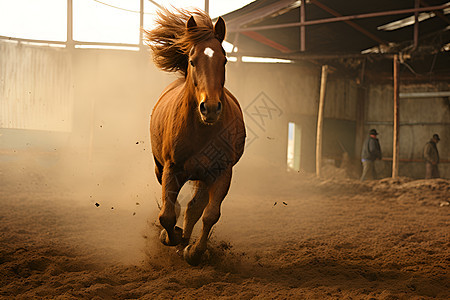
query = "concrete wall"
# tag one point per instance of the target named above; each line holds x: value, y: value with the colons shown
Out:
x: 115, y: 92
x: 276, y: 94
x: 36, y: 88
x: 270, y: 99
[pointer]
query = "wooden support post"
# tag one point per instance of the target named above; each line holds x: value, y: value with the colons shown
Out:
x: 141, y: 24
x: 302, y: 27
x: 360, y: 111
x: 395, y: 149
x: 323, y: 85
x: 360, y: 120
x: 207, y: 6
x: 69, y: 24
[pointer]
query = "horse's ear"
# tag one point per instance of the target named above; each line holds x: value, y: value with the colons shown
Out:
x: 220, y: 29
x: 191, y: 23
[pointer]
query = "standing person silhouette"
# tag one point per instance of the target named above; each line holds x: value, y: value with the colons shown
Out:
x: 371, y: 151
x: 431, y: 156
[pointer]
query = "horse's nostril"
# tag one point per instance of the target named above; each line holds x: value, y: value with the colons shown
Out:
x: 203, y: 108
x: 219, y: 107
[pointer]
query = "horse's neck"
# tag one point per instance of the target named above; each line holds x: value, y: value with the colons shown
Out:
x: 187, y: 99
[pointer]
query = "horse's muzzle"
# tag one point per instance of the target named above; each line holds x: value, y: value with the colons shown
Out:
x: 210, y: 112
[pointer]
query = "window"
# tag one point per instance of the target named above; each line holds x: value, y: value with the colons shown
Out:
x: 31, y: 19
x: 95, y: 21
x: 109, y: 21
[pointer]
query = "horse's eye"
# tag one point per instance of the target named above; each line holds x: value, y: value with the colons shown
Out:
x: 191, y: 62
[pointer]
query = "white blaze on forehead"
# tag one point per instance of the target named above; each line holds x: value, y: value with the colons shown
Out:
x: 209, y: 52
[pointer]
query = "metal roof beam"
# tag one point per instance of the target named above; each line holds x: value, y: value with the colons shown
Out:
x: 316, y: 56
x: 266, y: 41
x: 425, y: 94
x: 416, y: 25
x: 438, y: 13
x: 257, y: 14
x: 343, y: 18
x: 351, y: 23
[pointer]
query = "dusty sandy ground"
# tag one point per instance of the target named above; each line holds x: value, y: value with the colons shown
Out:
x: 281, y: 236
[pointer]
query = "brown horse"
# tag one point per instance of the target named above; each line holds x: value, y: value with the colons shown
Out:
x: 197, y: 129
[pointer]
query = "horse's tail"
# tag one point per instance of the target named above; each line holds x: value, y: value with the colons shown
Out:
x: 170, y: 41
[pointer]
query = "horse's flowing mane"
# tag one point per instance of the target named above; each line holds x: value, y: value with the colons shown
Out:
x: 170, y: 41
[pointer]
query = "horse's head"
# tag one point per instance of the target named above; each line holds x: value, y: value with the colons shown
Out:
x: 206, y: 72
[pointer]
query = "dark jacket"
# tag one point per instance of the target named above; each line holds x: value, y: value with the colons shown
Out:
x: 430, y: 152
x: 371, y: 149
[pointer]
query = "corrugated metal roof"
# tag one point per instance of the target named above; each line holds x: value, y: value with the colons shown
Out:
x: 352, y: 36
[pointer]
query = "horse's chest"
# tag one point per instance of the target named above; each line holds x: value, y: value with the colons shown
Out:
x: 210, y: 161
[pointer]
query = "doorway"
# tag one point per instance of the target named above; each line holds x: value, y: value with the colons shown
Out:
x: 294, y: 146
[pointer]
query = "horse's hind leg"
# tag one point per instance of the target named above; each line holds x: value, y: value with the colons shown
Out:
x: 194, y: 211
x: 171, y: 186
x: 217, y: 192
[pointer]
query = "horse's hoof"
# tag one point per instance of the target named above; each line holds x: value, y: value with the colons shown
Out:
x: 181, y: 246
x: 164, y: 237
x: 191, y: 258
x: 177, y: 237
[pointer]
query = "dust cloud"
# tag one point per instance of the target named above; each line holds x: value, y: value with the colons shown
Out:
x: 78, y: 217
x: 282, y: 235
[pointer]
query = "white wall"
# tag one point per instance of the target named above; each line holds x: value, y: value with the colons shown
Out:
x: 36, y: 88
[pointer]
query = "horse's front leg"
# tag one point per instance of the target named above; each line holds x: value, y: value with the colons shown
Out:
x: 194, y: 211
x: 171, y: 185
x: 217, y: 192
